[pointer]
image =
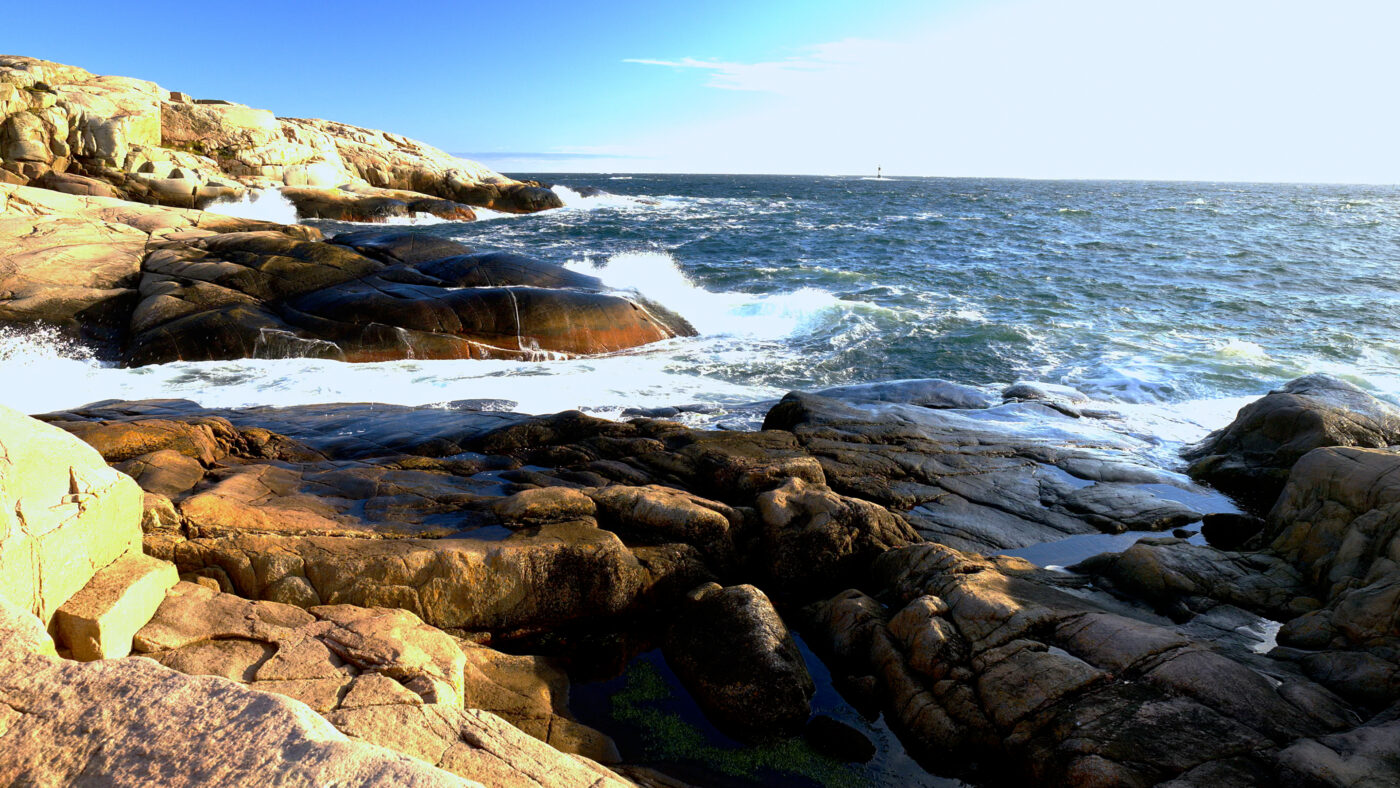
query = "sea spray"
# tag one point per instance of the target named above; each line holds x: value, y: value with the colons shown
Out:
x: 268, y: 205
x: 657, y: 276
x: 593, y: 199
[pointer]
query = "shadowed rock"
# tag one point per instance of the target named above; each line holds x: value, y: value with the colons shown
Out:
x: 987, y: 656
x: 400, y: 246
x: 368, y: 204
x: 735, y: 656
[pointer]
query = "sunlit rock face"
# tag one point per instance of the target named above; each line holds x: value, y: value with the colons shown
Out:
x: 64, y: 128
x: 267, y: 295
x: 148, y: 284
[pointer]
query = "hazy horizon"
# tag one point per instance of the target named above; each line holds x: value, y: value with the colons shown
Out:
x: 1243, y: 91
x: 514, y: 171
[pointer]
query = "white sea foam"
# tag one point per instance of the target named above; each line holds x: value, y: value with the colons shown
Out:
x: 1239, y: 348
x: 269, y: 205
x: 574, y: 200
x: 657, y: 276
x: 415, y: 220
x: 485, y: 214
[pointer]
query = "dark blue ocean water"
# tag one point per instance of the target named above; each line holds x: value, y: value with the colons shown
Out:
x: 1128, y: 290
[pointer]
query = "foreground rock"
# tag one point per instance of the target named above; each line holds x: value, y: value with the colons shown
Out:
x: 978, y: 656
x: 378, y: 675
x: 62, y: 127
x: 64, y: 515
x: 1251, y: 457
x: 1324, y: 563
x: 571, y: 531
x: 66, y: 722
x: 342, y: 661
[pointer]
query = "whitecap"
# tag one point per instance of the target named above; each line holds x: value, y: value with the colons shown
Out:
x: 657, y: 276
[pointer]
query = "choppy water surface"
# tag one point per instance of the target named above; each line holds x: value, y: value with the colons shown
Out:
x: 1174, y: 296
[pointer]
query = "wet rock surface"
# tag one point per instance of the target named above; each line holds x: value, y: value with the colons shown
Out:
x: 247, y: 295
x: 733, y: 652
x: 146, y: 285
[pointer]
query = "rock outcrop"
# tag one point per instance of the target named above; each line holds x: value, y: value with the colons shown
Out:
x: 132, y: 722
x: 242, y: 295
x: 75, y: 261
x: 989, y: 656
x: 64, y: 128
x: 975, y: 479
x: 151, y: 285
x: 64, y: 515
x: 1252, y: 456
x: 84, y: 158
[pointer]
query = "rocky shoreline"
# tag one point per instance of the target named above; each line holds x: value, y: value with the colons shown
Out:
x: 371, y: 594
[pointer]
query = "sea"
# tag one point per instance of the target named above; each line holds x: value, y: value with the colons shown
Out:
x: 1174, y: 303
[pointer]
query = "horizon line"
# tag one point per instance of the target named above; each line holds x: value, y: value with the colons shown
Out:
x: 1072, y: 179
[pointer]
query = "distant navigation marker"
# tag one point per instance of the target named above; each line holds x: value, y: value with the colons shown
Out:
x: 877, y: 173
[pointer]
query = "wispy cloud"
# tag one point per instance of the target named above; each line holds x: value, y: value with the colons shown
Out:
x: 787, y: 76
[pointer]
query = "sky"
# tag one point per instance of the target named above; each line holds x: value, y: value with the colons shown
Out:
x: 1245, y: 90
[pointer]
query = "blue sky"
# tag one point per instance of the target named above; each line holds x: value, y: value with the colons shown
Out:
x: 1221, y: 90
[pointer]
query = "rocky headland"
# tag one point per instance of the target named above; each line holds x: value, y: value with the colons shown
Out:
x: 383, y: 595
x: 105, y: 189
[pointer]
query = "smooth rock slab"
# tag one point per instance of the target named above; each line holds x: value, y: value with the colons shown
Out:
x: 132, y: 722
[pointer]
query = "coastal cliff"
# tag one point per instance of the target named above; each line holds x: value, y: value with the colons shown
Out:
x: 64, y: 128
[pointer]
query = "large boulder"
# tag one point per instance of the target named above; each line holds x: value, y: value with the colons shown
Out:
x: 1252, y: 456
x: 370, y: 204
x: 732, y: 651
x: 64, y: 515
